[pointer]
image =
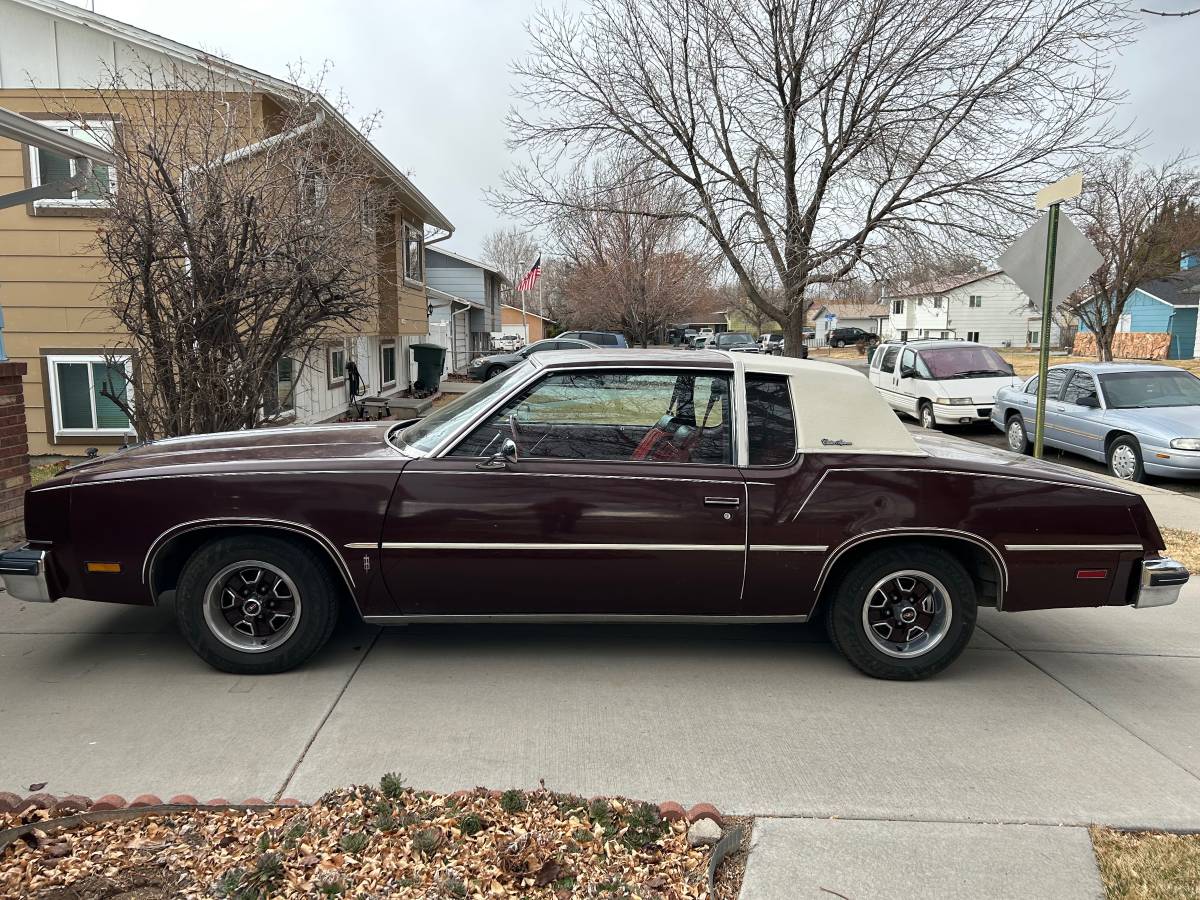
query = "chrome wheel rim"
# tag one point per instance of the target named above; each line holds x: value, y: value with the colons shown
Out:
x: 1124, y: 462
x: 1016, y: 436
x: 907, y: 613
x: 252, y: 606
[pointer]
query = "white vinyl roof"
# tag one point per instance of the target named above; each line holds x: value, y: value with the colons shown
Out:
x: 837, y: 409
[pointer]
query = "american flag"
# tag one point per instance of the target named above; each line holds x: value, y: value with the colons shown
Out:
x: 531, y: 276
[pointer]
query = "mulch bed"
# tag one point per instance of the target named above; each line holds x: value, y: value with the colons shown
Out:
x: 386, y: 841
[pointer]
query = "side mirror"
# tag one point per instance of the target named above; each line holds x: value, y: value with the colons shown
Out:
x: 505, y: 457
x: 908, y: 372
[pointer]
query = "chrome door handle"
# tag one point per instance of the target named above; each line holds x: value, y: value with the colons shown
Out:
x: 722, y: 501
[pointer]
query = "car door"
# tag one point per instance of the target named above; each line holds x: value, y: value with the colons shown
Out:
x: 888, y: 380
x: 1079, y: 419
x: 907, y: 386
x: 1055, y: 379
x: 624, y: 501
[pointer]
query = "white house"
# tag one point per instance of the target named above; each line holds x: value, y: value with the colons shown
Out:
x: 987, y: 307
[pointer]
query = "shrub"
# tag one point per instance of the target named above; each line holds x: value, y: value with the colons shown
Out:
x: 471, y: 823
x: 354, y: 842
x: 392, y: 785
x: 513, y: 801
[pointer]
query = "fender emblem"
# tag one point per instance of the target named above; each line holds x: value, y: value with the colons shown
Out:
x: 366, y: 563
x: 828, y: 442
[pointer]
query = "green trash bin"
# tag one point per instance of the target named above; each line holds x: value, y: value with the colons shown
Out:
x: 431, y: 362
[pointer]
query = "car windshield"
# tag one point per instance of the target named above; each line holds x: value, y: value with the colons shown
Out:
x: 430, y: 431
x: 1140, y: 390
x: 729, y: 340
x: 964, y: 362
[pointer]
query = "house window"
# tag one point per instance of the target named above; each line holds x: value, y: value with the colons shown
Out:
x: 1033, y: 338
x: 387, y: 363
x: 82, y: 389
x: 974, y: 301
x: 897, y: 307
x: 937, y: 302
x: 414, y: 251
x: 283, y: 398
x: 46, y: 167
x: 335, y: 364
x: 973, y: 336
x: 314, y: 191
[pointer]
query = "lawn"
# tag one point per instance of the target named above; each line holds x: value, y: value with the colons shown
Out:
x: 1144, y: 865
x: 1183, y: 546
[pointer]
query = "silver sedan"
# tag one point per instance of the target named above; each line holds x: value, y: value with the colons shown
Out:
x: 1140, y: 419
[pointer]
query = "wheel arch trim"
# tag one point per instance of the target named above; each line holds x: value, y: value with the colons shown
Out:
x: 885, y: 533
x: 194, y: 525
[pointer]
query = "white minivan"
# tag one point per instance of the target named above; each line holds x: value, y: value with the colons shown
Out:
x: 940, y: 382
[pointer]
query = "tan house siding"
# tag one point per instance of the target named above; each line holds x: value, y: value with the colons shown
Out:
x: 511, y: 316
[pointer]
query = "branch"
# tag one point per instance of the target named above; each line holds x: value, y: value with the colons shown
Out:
x: 1178, y: 15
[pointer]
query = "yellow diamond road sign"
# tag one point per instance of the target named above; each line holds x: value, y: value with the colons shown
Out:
x: 1074, y: 260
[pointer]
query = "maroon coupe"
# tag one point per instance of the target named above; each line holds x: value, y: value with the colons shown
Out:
x: 600, y: 485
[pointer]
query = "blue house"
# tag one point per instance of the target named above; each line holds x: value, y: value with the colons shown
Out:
x: 1168, y: 306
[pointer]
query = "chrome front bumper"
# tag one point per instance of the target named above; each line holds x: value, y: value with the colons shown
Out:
x: 24, y: 574
x: 1162, y: 580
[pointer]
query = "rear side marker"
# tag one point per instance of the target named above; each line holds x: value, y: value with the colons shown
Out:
x: 1086, y: 574
x: 106, y: 568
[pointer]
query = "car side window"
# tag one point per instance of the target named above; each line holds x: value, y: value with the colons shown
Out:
x: 542, y: 345
x: 908, y: 360
x: 1054, y: 384
x: 770, y: 423
x: 612, y: 416
x: 889, y: 359
x: 878, y: 358
x: 1079, y: 387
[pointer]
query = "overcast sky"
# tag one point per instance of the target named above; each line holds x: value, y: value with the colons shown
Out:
x: 439, y: 72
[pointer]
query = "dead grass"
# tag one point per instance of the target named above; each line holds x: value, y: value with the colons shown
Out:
x: 1148, y: 865
x: 1183, y: 546
x: 1025, y: 362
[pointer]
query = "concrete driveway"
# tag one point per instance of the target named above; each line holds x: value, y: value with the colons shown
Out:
x: 1051, y: 717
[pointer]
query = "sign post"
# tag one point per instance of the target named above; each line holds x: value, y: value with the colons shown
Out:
x: 1049, y: 261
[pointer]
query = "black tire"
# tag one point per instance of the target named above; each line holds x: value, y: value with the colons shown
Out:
x: 1124, y: 458
x: 1014, y: 425
x: 315, y: 585
x: 925, y: 415
x: 845, y: 611
x: 492, y: 372
x: 838, y: 345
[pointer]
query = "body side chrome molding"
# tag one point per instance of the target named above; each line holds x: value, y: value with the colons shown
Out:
x: 565, y: 618
x: 512, y: 472
x: 790, y: 548
x: 868, y: 536
x: 288, y: 472
x: 521, y: 545
x: 249, y: 522
x: 1021, y: 548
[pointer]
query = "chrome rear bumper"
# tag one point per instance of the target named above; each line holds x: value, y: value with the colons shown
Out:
x: 24, y: 574
x: 1162, y: 580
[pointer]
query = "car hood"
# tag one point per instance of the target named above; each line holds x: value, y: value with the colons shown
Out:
x: 980, y: 390
x: 507, y: 359
x: 298, y: 448
x: 1168, y: 421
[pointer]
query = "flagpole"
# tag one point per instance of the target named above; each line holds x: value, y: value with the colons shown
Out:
x: 525, y: 317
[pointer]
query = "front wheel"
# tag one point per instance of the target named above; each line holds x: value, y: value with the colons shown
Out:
x: 254, y: 604
x: 492, y: 372
x: 1014, y: 431
x: 903, y: 613
x: 1125, y: 459
x: 925, y: 415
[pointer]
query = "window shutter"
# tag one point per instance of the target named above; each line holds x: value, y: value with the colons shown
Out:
x: 108, y: 414
x: 74, y: 404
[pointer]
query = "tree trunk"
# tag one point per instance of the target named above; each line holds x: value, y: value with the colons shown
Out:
x: 1104, y: 342
x: 793, y: 334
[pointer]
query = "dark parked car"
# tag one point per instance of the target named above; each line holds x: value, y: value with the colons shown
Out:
x: 848, y: 337
x: 599, y: 338
x: 734, y: 342
x: 577, y: 486
x: 484, y: 368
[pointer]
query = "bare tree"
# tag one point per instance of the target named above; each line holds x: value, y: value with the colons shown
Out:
x: 234, y: 241
x: 639, y: 272
x: 807, y: 135
x: 1141, y: 218
x: 512, y: 250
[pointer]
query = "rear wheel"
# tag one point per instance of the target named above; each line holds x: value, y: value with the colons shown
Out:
x: 1125, y: 459
x: 492, y: 372
x: 253, y: 604
x: 1014, y: 431
x: 903, y: 613
x: 839, y: 344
